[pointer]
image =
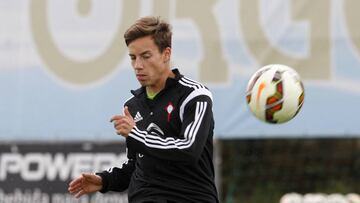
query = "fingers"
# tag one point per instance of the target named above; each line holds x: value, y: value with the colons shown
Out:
x: 74, y: 189
x: 123, y: 123
x: 92, y: 178
x: 80, y: 193
x: 75, y: 182
x: 116, y: 117
x: 85, y: 184
x: 120, y: 122
x: 127, y: 113
x: 75, y: 186
x: 123, y: 129
x: 87, y: 175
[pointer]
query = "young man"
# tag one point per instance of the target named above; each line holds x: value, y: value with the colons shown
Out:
x: 168, y: 125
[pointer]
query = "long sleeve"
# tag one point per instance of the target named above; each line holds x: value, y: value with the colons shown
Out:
x: 118, y: 179
x: 173, y: 142
x: 196, y: 129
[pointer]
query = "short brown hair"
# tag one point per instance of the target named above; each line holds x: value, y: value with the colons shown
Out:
x: 150, y: 26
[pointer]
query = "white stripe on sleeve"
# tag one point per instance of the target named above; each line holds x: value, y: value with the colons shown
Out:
x: 170, y: 142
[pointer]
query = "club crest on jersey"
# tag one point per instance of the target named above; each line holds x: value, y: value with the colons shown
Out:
x: 169, y: 108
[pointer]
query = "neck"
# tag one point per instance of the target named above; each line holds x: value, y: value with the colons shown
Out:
x: 153, y: 89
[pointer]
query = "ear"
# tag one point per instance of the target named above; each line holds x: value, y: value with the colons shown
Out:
x: 167, y: 54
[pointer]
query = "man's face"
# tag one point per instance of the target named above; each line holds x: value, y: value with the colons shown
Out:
x: 149, y: 64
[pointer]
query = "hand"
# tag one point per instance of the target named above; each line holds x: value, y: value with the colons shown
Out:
x: 123, y: 123
x: 85, y: 184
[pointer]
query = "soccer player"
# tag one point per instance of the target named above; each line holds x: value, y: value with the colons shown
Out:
x: 168, y: 125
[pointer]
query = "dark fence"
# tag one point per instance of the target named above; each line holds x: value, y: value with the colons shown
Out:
x: 264, y: 170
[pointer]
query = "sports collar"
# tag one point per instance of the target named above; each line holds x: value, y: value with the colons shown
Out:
x: 169, y: 83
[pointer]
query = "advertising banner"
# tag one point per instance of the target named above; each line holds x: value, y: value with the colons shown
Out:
x: 41, y: 172
x: 65, y: 69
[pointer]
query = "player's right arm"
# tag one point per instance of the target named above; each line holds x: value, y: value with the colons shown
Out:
x: 117, y: 179
x: 84, y: 184
x: 114, y: 179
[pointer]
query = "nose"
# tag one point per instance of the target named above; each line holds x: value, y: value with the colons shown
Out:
x: 138, y: 64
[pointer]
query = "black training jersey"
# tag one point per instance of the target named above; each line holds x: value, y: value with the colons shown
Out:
x: 170, y: 149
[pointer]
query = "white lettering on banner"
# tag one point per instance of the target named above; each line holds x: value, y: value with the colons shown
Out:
x: 38, y: 166
x: 38, y: 196
x: 73, y: 70
x: 214, y: 66
x: 320, y: 198
x: 27, y: 196
x: 58, y: 166
x: 67, y: 198
x: 105, y: 161
x: 9, y: 164
x: 31, y: 160
x: 84, y: 162
x: 109, y: 198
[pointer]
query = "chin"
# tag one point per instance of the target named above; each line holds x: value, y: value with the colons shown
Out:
x: 143, y: 83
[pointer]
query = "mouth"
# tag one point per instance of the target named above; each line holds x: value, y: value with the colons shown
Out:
x: 141, y: 77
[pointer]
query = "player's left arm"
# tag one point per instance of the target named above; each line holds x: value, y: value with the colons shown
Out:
x: 197, y: 129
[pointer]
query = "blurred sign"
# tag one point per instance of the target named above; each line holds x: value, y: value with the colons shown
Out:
x: 320, y: 197
x: 41, y: 172
x: 64, y: 69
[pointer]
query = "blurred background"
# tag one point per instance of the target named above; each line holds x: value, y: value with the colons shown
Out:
x: 64, y: 71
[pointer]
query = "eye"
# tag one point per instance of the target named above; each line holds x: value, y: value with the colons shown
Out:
x: 146, y: 56
x: 132, y: 58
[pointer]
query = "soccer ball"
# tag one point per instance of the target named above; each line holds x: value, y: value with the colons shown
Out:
x: 275, y: 93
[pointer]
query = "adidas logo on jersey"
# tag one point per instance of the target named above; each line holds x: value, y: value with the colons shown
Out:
x: 138, y: 117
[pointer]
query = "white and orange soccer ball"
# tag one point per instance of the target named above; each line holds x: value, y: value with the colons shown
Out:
x: 275, y: 93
